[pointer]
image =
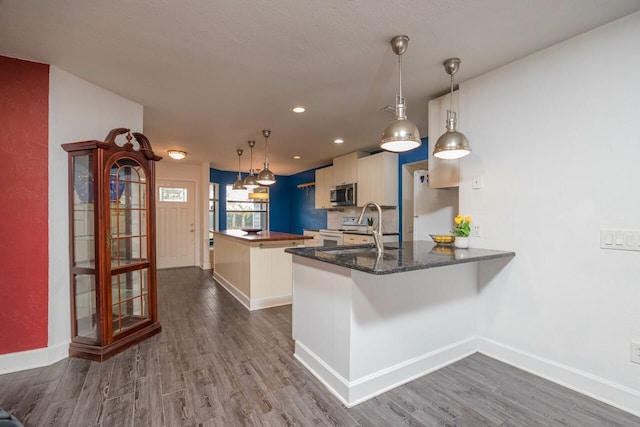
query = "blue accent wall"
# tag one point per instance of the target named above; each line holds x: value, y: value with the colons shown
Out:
x: 303, y: 214
x: 280, y: 205
x: 290, y: 209
x: 223, y: 178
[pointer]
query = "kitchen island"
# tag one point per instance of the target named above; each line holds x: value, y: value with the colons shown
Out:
x: 364, y: 324
x: 254, y: 268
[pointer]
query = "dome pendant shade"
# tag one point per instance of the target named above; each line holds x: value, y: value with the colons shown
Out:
x: 401, y: 134
x: 452, y: 144
x: 238, y: 184
x: 266, y: 177
x: 250, y: 182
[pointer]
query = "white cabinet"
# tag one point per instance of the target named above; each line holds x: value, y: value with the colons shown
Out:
x: 324, y: 182
x: 442, y: 173
x: 256, y: 273
x: 345, y: 168
x: 356, y: 239
x: 316, y: 241
x: 363, y: 239
x: 378, y: 179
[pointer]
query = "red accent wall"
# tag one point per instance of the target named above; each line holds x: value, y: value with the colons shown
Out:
x: 24, y: 263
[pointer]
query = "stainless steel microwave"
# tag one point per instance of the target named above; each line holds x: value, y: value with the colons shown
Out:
x: 343, y: 195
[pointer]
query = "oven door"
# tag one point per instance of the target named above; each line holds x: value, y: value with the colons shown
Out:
x: 331, y: 239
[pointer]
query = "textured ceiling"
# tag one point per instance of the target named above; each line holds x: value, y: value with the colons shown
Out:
x: 212, y: 74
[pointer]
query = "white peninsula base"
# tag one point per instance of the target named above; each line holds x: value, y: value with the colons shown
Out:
x: 362, y: 334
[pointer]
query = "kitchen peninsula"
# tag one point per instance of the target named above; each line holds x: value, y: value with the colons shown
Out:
x: 254, y: 268
x: 364, y: 323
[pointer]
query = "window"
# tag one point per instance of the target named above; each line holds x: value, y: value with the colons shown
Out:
x: 247, y: 209
x: 169, y: 194
x: 213, y: 210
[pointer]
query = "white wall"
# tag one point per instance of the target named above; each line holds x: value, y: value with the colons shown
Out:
x: 78, y: 111
x: 557, y: 137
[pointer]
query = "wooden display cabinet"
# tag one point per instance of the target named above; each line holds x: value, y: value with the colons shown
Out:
x: 112, y: 244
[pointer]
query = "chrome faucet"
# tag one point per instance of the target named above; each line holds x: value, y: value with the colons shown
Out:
x: 377, y: 230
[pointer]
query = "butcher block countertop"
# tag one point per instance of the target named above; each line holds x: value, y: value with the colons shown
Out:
x: 262, y: 236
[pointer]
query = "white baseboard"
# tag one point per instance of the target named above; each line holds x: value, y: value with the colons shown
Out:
x: 30, y: 359
x: 611, y: 393
x: 235, y: 292
x: 268, y: 302
x: 351, y: 393
x: 251, y: 304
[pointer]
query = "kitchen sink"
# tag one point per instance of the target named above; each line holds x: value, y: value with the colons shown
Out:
x: 356, y: 251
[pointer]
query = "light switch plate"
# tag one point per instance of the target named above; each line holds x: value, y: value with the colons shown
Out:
x: 476, y: 182
x: 624, y: 240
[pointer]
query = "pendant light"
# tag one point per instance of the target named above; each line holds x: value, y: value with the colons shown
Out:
x: 238, y: 184
x: 452, y: 144
x: 250, y: 182
x: 266, y: 177
x: 401, y: 134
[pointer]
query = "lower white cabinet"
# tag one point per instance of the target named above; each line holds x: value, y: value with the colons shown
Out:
x: 355, y: 239
x: 312, y: 242
x: 364, y: 239
x: 258, y: 274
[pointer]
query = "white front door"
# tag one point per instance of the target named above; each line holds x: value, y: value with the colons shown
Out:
x: 175, y: 223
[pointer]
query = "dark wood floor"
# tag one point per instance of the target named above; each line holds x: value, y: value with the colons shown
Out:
x: 216, y: 364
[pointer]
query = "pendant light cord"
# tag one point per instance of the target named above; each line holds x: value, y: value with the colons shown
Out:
x: 251, y: 166
x: 451, y: 99
x: 266, y: 148
x: 400, y: 76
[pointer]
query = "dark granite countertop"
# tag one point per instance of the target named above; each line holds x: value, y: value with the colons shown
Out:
x: 397, y: 258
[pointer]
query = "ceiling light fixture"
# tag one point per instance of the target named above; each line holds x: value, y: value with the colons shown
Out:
x: 296, y: 157
x: 298, y: 109
x: 238, y: 185
x: 401, y: 134
x: 452, y: 144
x: 177, y: 154
x: 338, y: 141
x: 250, y: 182
x: 266, y: 177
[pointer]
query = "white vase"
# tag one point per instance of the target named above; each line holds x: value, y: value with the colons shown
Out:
x: 461, y: 242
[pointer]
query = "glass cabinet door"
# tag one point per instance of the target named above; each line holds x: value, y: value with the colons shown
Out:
x: 127, y: 239
x: 83, y: 244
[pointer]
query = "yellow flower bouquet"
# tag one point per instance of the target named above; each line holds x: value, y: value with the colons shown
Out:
x: 463, y: 227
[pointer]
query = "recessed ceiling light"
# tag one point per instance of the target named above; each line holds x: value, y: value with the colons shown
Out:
x: 296, y: 157
x: 339, y: 141
x: 298, y: 109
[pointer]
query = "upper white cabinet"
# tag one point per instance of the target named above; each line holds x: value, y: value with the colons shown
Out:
x: 378, y: 179
x: 442, y: 173
x: 345, y: 168
x: 324, y: 182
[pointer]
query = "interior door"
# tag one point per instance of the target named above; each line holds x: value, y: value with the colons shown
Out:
x: 176, y: 224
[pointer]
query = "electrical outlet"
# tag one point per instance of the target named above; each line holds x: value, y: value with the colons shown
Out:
x: 635, y: 351
x: 476, y: 229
